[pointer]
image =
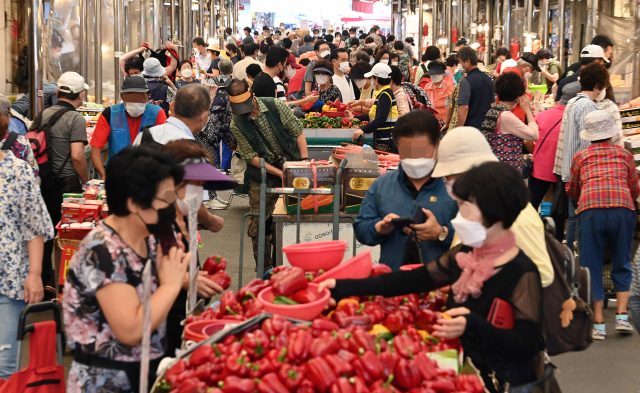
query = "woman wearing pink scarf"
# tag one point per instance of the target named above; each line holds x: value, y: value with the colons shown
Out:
x: 486, y: 266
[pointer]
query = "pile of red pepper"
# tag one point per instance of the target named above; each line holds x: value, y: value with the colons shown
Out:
x: 278, y: 357
x: 215, y: 266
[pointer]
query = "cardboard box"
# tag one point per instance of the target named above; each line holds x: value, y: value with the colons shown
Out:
x: 72, y: 195
x: 361, y: 171
x: 301, y: 175
x: 73, y: 212
x: 91, y: 193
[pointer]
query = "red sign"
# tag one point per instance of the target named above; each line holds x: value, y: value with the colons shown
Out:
x: 14, y: 29
x: 241, y: 7
x: 67, y: 253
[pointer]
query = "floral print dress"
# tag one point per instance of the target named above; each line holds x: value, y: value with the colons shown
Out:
x: 23, y: 216
x: 103, y: 258
x: 22, y: 150
x: 220, y: 116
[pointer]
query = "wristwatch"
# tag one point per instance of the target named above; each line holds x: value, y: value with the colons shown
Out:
x: 443, y: 234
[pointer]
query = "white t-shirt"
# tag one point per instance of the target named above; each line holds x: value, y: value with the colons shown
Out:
x: 346, y: 88
x: 202, y: 63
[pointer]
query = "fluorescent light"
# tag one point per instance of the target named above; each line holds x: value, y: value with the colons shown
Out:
x: 475, y: 45
x: 425, y: 7
x: 454, y: 3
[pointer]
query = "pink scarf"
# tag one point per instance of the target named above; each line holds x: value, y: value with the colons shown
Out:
x: 477, y: 267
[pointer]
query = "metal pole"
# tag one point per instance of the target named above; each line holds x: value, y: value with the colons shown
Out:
x: 173, y: 20
x: 462, y: 31
x: 635, y: 82
x: 184, y: 22
x: 156, y: 24
x: 143, y: 21
x: 34, y: 17
x: 528, y: 25
x: 544, y: 19
x: 82, y: 39
x: 434, y: 23
x: 447, y: 26
x: 592, y: 16
x: 496, y: 21
x: 213, y: 19
x: 561, y: 30
x: 420, y: 23
x: 489, y: 33
x: 234, y: 25
x: 506, y: 25
x: 98, y: 51
x: 117, y: 46
x: 201, y: 18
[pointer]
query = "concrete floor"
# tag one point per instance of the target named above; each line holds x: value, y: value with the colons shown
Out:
x: 611, y: 365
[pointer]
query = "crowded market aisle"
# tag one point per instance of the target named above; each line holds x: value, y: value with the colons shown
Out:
x: 611, y: 365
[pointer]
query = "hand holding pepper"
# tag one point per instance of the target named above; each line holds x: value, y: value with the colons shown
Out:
x: 454, y: 327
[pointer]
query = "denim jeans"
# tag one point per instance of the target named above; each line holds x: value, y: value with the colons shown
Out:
x: 10, y: 310
x: 572, y: 224
x: 615, y: 226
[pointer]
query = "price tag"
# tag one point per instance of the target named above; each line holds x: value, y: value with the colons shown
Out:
x: 146, y: 326
x: 194, y: 202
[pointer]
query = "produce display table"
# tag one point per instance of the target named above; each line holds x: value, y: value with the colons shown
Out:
x: 332, y: 136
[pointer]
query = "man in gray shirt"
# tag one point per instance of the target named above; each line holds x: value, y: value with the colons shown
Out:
x: 307, y: 47
x: 248, y: 39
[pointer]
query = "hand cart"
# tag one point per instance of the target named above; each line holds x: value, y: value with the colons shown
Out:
x: 262, y: 214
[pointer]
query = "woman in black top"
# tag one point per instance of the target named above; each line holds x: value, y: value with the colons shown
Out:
x: 488, y: 265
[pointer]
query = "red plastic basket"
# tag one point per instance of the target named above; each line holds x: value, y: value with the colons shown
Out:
x: 72, y: 233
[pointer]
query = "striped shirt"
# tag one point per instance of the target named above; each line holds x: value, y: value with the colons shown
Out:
x: 572, y: 143
x: 281, y: 92
x: 603, y: 176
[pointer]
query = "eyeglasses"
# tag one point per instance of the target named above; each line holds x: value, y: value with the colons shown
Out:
x: 169, y: 197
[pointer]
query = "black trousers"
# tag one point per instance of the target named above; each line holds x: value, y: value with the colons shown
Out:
x: 538, y: 189
x: 52, y: 197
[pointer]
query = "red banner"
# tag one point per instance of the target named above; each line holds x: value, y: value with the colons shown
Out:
x: 361, y: 6
x: 67, y: 253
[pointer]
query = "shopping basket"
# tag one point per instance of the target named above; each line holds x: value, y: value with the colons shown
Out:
x: 42, y: 375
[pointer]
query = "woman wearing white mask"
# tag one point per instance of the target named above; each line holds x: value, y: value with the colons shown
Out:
x: 439, y: 89
x: 323, y: 71
x: 398, y: 193
x: 186, y: 74
x: 502, y: 128
x: 382, y: 56
x: 487, y: 266
x: 199, y: 175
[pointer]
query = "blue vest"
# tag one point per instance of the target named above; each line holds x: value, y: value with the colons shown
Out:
x: 481, y: 97
x: 120, y: 135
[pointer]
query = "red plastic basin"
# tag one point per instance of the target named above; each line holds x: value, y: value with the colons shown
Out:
x: 305, y: 312
x: 411, y: 267
x: 215, y: 327
x: 314, y: 256
x: 195, y: 331
x: 357, y: 267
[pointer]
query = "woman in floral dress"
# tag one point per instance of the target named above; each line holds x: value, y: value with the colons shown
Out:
x: 102, y: 303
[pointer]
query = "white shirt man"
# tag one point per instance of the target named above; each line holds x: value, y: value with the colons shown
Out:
x: 240, y: 68
x: 340, y: 60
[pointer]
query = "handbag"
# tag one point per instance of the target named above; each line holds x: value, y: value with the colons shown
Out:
x: 542, y: 385
x: 527, y: 167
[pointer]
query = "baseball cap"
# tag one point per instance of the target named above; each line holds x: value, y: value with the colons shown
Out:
x: 511, y: 69
x: 242, y: 103
x: 199, y: 169
x: 462, y: 41
x: 379, y: 70
x: 292, y: 61
x: 594, y: 52
x: 461, y: 149
x: 71, y: 82
x: 435, y: 68
x: 153, y: 68
x: 532, y: 59
x: 134, y: 84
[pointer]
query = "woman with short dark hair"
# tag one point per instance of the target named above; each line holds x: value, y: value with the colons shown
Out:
x: 504, y: 131
x: 487, y: 266
x: 104, y: 288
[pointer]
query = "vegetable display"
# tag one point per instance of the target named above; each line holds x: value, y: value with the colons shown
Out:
x: 317, y: 121
x: 215, y: 266
x: 365, y: 344
x: 334, y: 106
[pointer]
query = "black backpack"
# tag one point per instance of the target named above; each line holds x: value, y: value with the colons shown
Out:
x: 147, y: 139
x: 39, y: 136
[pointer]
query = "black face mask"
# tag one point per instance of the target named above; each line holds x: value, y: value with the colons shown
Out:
x: 228, y: 54
x: 166, y: 217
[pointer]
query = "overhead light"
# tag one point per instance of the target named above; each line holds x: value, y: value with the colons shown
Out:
x: 194, y: 7
x: 425, y: 7
x: 454, y: 3
x: 475, y: 45
x: 480, y: 28
x: 486, y: 27
x: 442, y: 41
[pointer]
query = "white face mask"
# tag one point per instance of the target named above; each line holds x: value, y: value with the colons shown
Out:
x: 601, y: 95
x: 276, y: 42
x: 186, y: 73
x: 135, y: 109
x: 371, y: 61
x: 205, y: 121
x: 384, y: 61
x: 192, y: 189
x: 352, y: 35
x: 325, y: 54
x: 472, y: 233
x: 373, y: 45
x: 322, y: 79
x: 394, y: 63
x: 360, y: 83
x: 528, y: 75
x: 290, y: 72
x: 344, y: 67
x: 418, y: 168
x: 437, y: 78
x: 337, y: 39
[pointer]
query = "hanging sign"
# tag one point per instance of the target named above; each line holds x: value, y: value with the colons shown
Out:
x: 413, y: 27
x: 304, y: 24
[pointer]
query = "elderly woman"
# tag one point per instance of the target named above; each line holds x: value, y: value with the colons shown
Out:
x: 604, y: 183
x: 24, y: 226
x: 216, y: 137
x: 19, y: 145
x: 186, y: 74
x: 504, y: 131
x: 104, y: 288
x: 323, y: 71
x: 486, y: 266
x: 382, y: 56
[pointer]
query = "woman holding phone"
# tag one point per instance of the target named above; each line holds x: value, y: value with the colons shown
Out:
x: 103, y: 310
x: 486, y: 266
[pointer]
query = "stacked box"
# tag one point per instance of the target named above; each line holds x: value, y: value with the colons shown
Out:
x: 92, y: 193
x: 76, y: 213
x: 361, y: 171
x: 301, y: 175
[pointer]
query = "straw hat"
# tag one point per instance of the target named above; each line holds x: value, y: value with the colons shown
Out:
x: 460, y: 150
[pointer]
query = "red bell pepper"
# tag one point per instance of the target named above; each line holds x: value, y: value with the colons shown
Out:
x: 324, y: 324
x: 380, y: 268
x: 214, y: 263
x: 190, y: 385
x: 428, y: 369
x: 273, y: 326
x: 299, y: 345
x: 425, y: 319
x: 339, y: 365
x: 389, y: 362
x: 261, y: 367
x: 176, y: 369
x: 256, y: 343
x: 288, y: 282
x: 271, y: 384
x: 407, y: 374
x: 252, y: 308
x: 220, y: 278
x: 387, y: 305
x: 372, y: 364
x: 345, y: 321
x: 233, y: 384
x: 204, y: 371
x: 359, y: 385
x: 277, y: 357
x: 405, y: 346
x: 236, y: 365
x: 364, y: 339
x: 214, y: 390
x: 374, y: 312
x: 323, y: 345
x: 394, y: 322
x: 200, y: 355
x: 321, y: 374
x: 229, y: 305
x: 469, y: 383
x: 441, y: 385
x: 304, y: 296
x: 342, y: 385
x: 350, y: 309
x: 346, y: 355
x: 362, y: 372
x: 381, y: 386
x: 306, y: 387
x: 291, y: 376
x: 251, y: 290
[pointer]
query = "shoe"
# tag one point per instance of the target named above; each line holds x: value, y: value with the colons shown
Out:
x: 598, y: 334
x: 215, y: 205
x: 623, y: 325
x: 222, y: 201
